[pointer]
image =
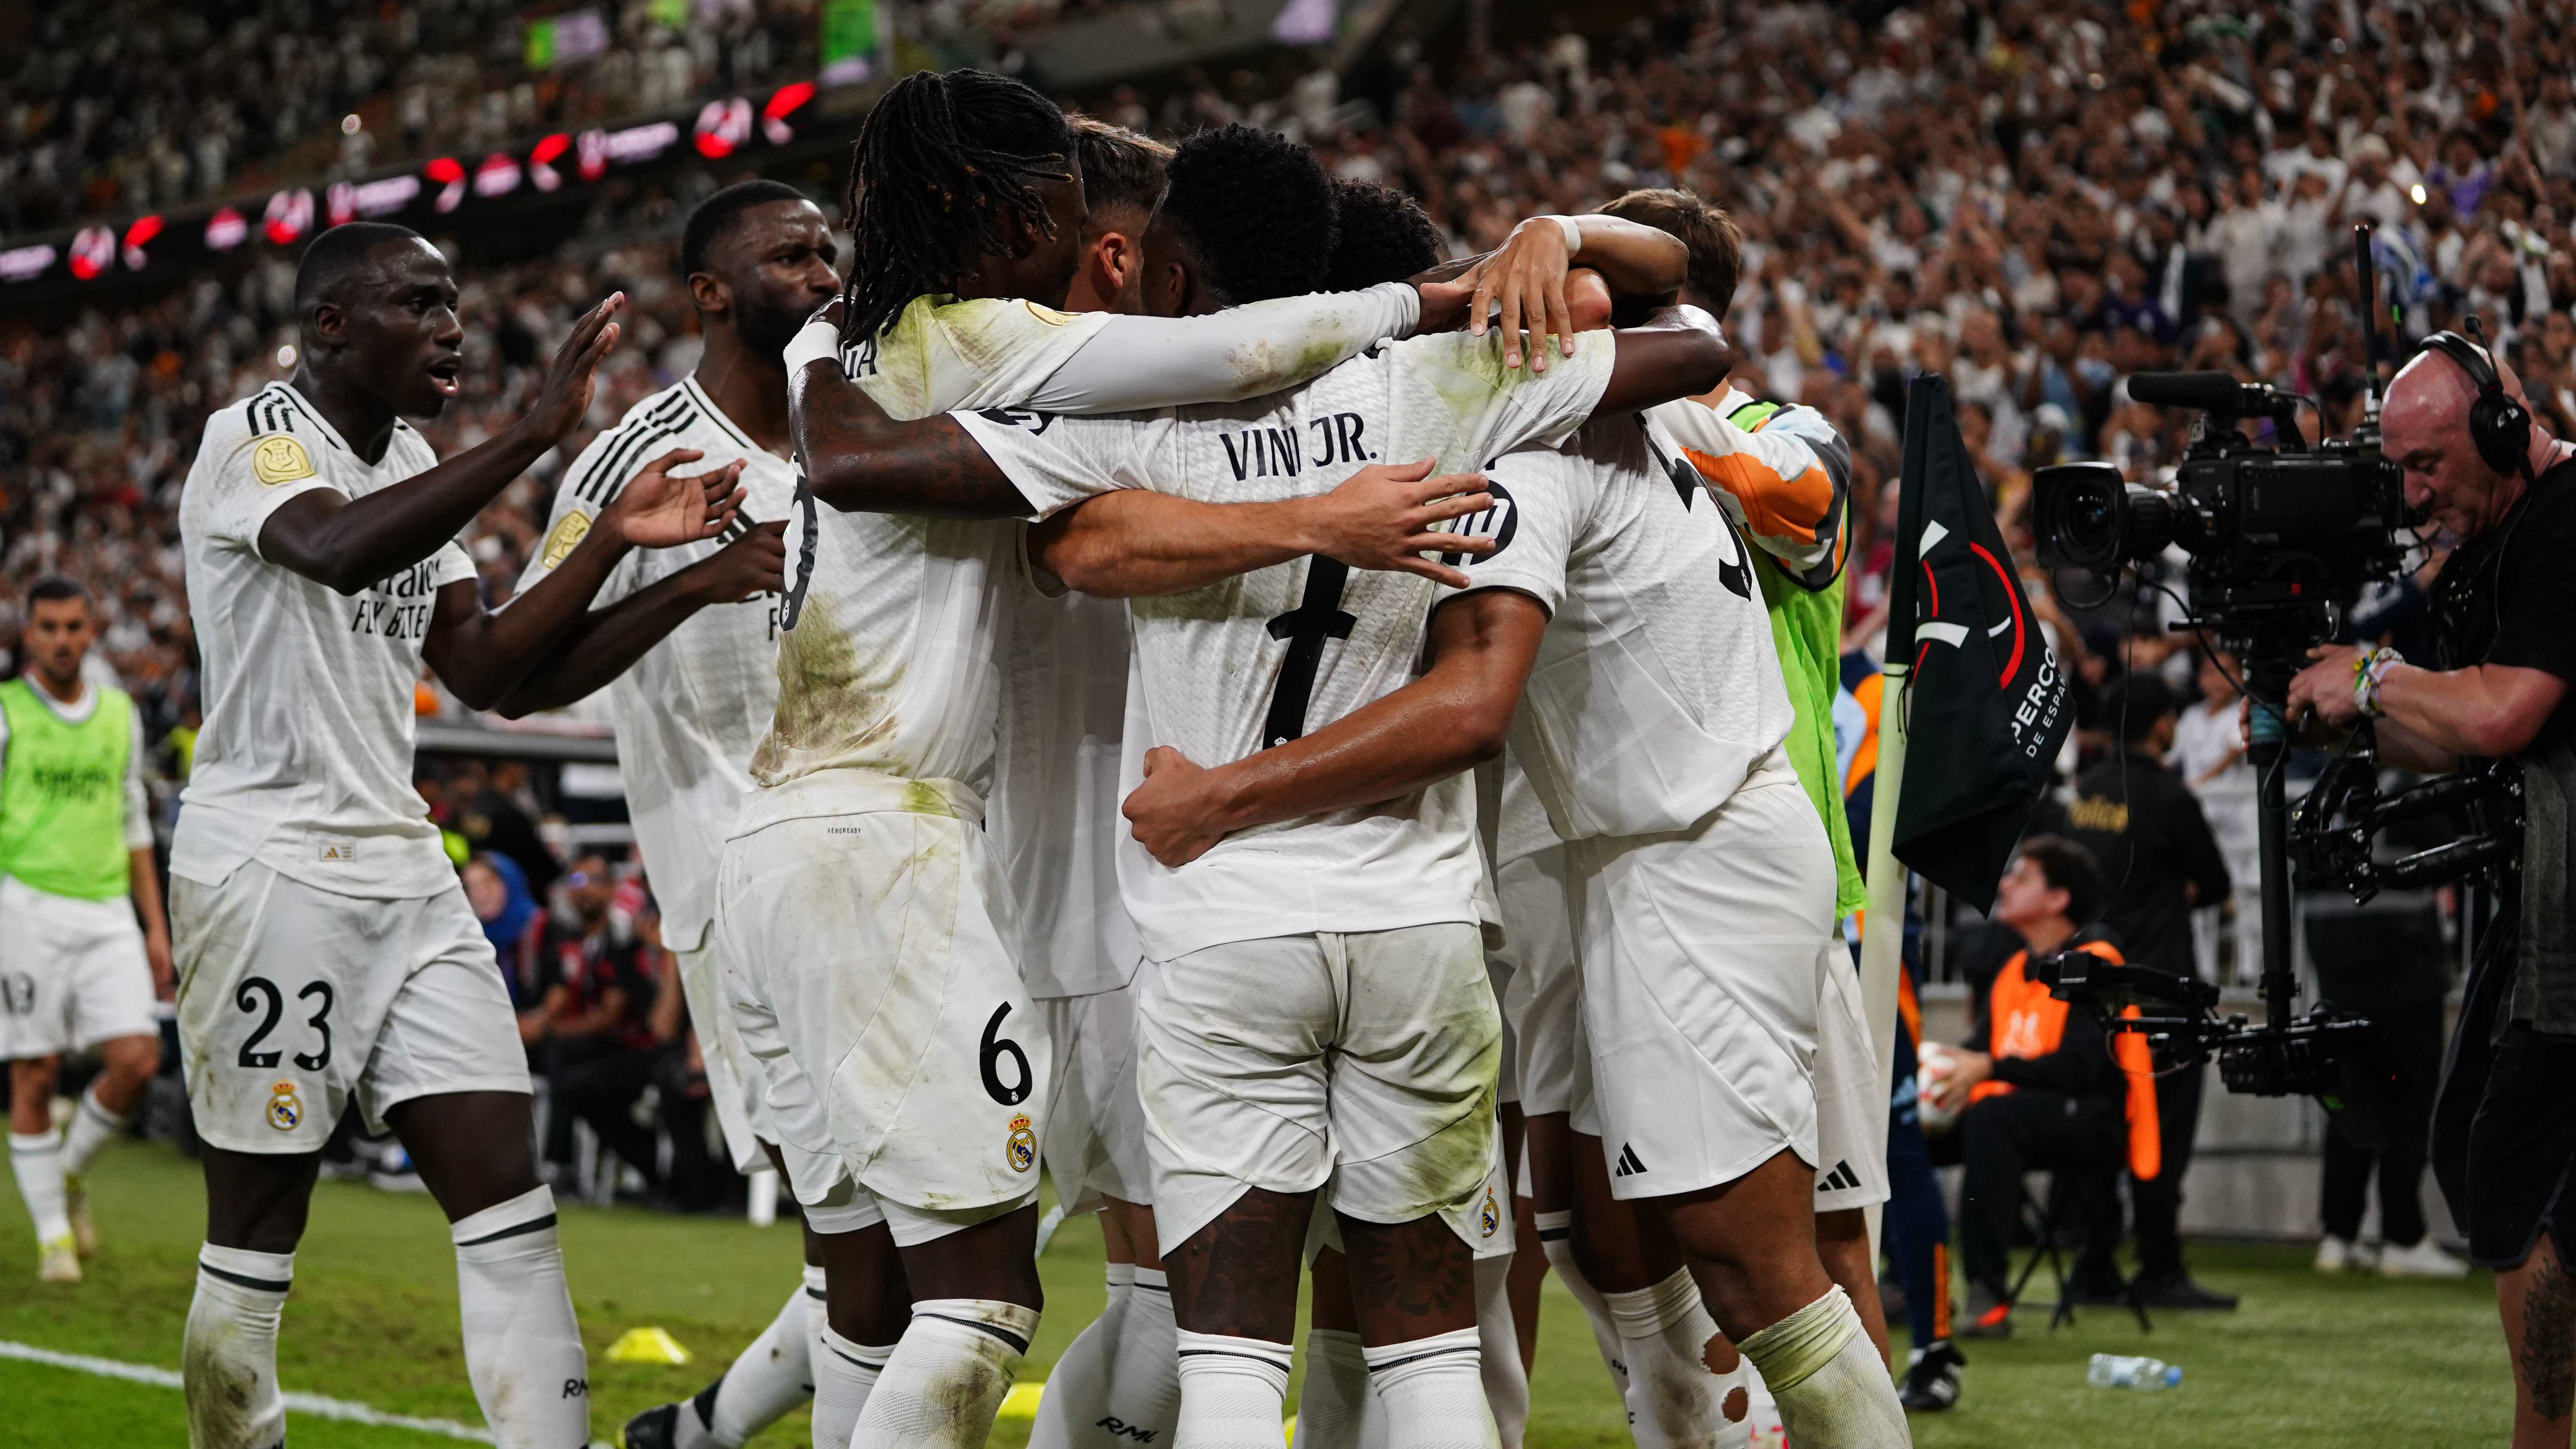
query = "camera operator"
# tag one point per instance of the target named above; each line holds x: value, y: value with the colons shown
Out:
x: 2145, y: 827
x: 2504, y: 1127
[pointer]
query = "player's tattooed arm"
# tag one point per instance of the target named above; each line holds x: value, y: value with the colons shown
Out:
x: 1133, y: 543
x: 605, y: 643
x: 1677, y: 352
x: 858, y: 459
x: 347, y: 544
x: 482, y: 655
x: 1454, y: 717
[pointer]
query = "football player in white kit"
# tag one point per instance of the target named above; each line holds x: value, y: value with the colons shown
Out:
x: 324, y: 946
x: 689, y: 638
x: 1614, y: 638
x: 873, y: 940
x: 77, y: 970
x: 1370, y: 907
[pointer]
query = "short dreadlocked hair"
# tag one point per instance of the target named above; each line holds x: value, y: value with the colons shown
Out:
x: 942, y: 167
x: 1385, y: 236
x: 1257, y: 211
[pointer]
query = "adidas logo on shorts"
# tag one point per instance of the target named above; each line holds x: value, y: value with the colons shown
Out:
x: 1838, y: 1180
x: 1629, y: 1163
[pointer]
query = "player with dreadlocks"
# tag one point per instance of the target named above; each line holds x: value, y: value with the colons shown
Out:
x: 910, y: 1073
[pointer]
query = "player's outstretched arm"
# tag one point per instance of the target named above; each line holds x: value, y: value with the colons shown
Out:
x: 1135, y: 363
x: 859, y: 459
x: 1134, y: 543
x: 1452, y: 718
x: 1677, y: 352
x: 605, y: 643
x: 483, y: 654
x: 346, y: 544
x: 1527, y: 275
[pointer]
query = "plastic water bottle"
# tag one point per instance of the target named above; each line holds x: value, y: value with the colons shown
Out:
x: 2118, y: 1371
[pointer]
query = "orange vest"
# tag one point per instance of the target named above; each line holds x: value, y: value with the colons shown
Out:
x: 2023, y: 1020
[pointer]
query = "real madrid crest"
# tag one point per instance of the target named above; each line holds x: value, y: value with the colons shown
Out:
x: 1021, y: 1150
x: 278, y: 460
x: 1491, y: 1219
x: 285, y: 1109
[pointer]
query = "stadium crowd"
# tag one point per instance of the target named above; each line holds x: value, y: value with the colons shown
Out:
x: 2035, y: 201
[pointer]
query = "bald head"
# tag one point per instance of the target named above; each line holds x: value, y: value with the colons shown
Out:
x: 2424, y: 425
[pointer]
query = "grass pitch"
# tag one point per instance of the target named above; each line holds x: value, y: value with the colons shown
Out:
x: 2309, y: 1361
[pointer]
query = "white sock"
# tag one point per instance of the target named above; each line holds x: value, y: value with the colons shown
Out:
x: 1336, y: 1408
x: 229, y: 1358
x: 1664, y: 1334
x: 523, y: 1352
x: 765, y: 1380
x: 948, y: 1377
x: 1507, y: 1388
x: 1232, y: 1392
x: 1826, y: 1377
x: 38, y: 1163
x: 1555, y: 1238
x: 1434, y: 1392
x: 1145, y: 1370
x: 1077, y: 1388
x: 93, y: 1127
x: 844, y: 1375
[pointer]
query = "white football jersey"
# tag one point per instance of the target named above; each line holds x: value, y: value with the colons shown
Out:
x: 1656, y: 687
x: 1265, y: 657
x: 886, y: 662
x: 305, y: 760
x: 690, y: 711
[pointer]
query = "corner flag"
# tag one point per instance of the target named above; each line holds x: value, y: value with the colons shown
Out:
x: 1987, y: 706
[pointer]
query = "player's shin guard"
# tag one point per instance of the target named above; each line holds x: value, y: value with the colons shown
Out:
x: 1663, y: 1334
x: 1077, y: 1388
x: 37, y: 1161
x: 1498, y: 1340
x: 523, y: 1353
x: 948, y: 1376
x: 1555, y: 1238
x: 1145, y: 1374
x: 845, y: 1373
x: 1336, y: 1408
x: 1433, y: 1392
x: 93, y: 1127
x: 767, y: 1379
x: 1825, y: 1375
x: 229, y: 1357
x: 1232, y: 1391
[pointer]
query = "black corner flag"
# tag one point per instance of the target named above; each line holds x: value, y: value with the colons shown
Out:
x: 1986, y: 709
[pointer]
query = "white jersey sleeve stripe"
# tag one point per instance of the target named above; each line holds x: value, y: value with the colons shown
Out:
x: 608, y: 474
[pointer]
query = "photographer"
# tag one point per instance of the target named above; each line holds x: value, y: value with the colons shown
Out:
x: 2504, y: 1127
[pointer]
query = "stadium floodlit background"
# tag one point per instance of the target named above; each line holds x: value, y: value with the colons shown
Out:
x: 2034, y: 199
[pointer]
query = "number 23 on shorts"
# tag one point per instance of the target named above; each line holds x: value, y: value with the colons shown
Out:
x: 259, y: 998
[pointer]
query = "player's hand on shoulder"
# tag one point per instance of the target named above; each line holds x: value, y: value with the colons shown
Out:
x: 1527, y: 275
x: 1173, y: 810
x: 565, y: 395
x: 748, y: 567
x: 1385, y: 517
x: 660, y: 507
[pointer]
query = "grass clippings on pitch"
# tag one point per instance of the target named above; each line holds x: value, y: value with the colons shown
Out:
x: 2308, y: 1361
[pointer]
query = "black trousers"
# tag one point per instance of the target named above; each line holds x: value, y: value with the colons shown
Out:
x: 2157, y: 1201
x: 2414, y: 1038
x: 602, y: 1091
x: 2003, y: 1137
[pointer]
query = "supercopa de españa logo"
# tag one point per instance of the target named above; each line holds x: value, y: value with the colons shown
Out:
x: 1021, y: 1150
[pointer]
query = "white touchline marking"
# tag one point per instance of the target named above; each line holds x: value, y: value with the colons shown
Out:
x: 317, y: 1405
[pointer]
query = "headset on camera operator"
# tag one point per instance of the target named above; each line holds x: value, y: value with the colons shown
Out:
x: 2504, y: 1130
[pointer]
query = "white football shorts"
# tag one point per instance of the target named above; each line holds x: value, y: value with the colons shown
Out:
x: 1483, y: 1222
x: 736, y: 1085
x: 291, y: 998
x: 876, y: 955
x: 1544, y: 1000
x: 1851, y: 1101
x: 1701, y: 950
x: 1095, y: 1133
x: 1362, y: 1059
x: 72, y: 973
